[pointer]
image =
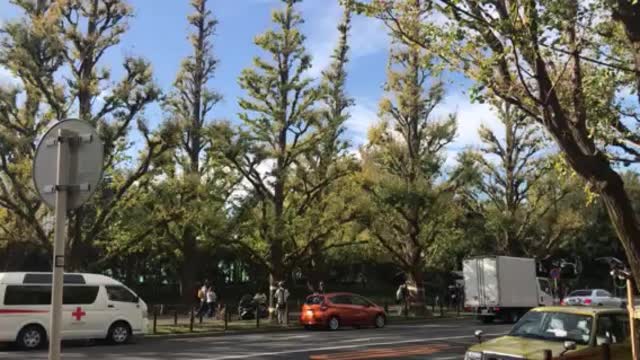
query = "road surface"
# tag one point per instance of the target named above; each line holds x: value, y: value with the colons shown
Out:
x: 439, y: 341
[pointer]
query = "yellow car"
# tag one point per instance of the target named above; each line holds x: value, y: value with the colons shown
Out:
x: 573, y: 332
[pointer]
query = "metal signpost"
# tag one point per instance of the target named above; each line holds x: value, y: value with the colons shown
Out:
x: 66, y: 171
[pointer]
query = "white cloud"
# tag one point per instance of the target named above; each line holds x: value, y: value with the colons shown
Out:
x: 8, y: 79
x: 363, y: 116
x: 367, y: 35
x: 470, y: 117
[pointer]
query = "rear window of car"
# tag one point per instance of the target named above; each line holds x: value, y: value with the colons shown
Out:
x: 314, y: 300
x: 581, y: 293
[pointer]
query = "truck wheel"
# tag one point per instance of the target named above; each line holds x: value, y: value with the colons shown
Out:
x: 487, y: 319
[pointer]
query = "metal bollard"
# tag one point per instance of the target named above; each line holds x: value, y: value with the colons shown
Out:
x: 606, y: 352
x: 175, y: 317
x: 155, y: 319
x: 547, y: 355
x: 191, y: 320
x: 226, y: 318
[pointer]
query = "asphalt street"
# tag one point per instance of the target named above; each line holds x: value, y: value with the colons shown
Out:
x: 438, y: 340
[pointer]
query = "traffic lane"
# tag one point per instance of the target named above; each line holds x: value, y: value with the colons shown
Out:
x: 287, y: 345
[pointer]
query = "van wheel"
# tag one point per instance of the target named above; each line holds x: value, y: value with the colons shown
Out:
x: 380, y: 321
x: 334, y: 323
x: 119, y: 333
x: 31, y: 337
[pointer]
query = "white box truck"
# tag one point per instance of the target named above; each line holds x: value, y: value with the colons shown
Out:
x: 503, y: 287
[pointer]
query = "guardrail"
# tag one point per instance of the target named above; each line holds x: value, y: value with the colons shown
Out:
x: 178, y: 318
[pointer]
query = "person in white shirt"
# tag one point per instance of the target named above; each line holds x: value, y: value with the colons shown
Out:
x: 281, y: 296
x: 211, y: 300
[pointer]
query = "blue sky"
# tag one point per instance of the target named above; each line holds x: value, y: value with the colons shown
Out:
x: 159, y: 29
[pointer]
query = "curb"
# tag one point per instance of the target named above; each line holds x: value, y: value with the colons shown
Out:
x: 276, y: 330
x: 220, y: 333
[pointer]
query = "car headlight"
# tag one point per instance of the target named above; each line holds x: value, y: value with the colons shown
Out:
x: 472, y: 355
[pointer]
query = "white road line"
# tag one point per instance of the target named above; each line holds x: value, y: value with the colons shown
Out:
x: 340, y: 347
x: 292, y: 337
x: 355, y: 340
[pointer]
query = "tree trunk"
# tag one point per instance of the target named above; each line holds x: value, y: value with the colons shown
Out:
x: 597, y: 170
x: 189, y: 267
x: 415, y: 279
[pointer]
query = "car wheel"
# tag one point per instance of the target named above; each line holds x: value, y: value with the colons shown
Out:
x: 334, y: 323
x: 31, y: 337
x: 119, y: 333
x: 600, y: 304
x: 380, y: 321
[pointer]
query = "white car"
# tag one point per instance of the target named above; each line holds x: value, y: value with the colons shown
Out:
x: 593, y: 297
x: 94, y: 307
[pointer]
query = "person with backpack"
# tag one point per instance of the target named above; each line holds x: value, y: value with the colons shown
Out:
x: 281, y: 295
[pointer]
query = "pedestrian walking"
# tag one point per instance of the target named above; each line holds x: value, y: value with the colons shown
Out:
x: 402, y: 297
x: 211, y: 302
x: 202, y: 295
x: 281, y: 295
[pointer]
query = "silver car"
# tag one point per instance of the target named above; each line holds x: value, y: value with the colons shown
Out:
x: 592, y: 297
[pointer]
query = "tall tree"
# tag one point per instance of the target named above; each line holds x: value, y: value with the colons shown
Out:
x: 512, y: 165
x: 55, y: 50
x: 189, y: 106
x: 278, y: 116
x: 325, y: 168
x: 553, y: 62
x: 403, y: 164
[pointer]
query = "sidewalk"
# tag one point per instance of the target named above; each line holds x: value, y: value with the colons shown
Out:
x: 167, y: 326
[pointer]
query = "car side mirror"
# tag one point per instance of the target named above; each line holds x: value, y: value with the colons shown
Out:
x: 568, y: 346
x: 478, y: 335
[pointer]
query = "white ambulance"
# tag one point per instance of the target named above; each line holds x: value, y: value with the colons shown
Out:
x: 95, y: 307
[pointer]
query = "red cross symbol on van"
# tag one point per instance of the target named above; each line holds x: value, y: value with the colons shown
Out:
x: 78, y: 314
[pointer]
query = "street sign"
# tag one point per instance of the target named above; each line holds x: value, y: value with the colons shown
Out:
x: 66, y: 171
x: 84, y: 163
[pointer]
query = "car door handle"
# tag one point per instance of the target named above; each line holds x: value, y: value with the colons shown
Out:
x: 110, y: 306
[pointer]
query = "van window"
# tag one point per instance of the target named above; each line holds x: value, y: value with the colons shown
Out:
x: 27, y: 295
x: 76, y: 295
x: 120, y: 293
x: 41, y: 295
x: 47, y: 278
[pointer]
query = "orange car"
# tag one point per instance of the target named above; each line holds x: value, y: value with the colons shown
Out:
x: 341, y: 309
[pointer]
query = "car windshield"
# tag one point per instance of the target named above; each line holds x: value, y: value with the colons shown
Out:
x: 581, y: 293
x: 314, y: 300
x: 554, y: 326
